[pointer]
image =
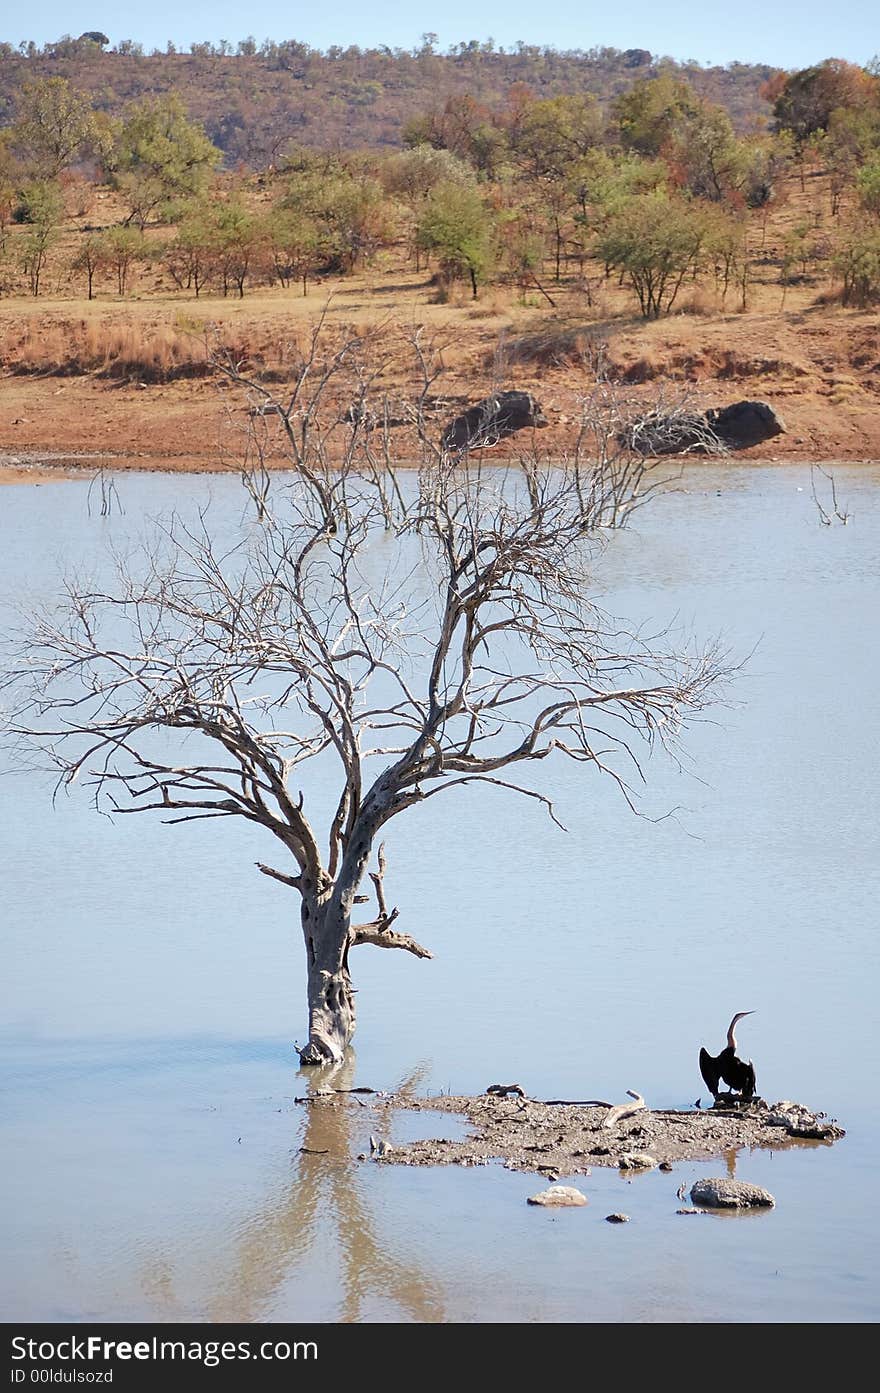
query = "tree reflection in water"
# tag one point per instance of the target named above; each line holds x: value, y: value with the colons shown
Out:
x: 325, y: 1207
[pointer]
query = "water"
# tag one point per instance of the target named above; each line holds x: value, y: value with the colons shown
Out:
x: 154, y: 982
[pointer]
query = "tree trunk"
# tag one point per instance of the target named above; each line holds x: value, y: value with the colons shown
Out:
x: 326, y: 932
x: 326, y: 921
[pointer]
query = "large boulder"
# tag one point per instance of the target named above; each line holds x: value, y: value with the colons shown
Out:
x: 492, y: 420
x: 745, y: 423
x: 718, y: 430
x: 722, y: 1193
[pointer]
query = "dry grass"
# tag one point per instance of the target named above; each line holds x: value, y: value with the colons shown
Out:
x: 122, y: 351
x: 820, y: 359
x: 132, y: 351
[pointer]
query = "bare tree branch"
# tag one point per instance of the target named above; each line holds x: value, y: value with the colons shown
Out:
x: 413, y: 633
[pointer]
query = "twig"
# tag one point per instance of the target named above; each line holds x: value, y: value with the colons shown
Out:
x: 573, y: 1102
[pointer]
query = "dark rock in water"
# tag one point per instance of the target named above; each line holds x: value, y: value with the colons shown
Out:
x: 718, y: 1193
x: 617, y: 1218
x: 745, y: 423
x: 723, y: 428
x: 492, y: 420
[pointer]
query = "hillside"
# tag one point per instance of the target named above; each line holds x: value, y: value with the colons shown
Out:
x: 253, y: 103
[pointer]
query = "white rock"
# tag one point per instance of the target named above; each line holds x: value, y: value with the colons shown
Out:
x: 558, y: 1195
x: 636, y: 1160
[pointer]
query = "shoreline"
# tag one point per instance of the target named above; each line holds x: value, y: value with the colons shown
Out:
x: 39, y: 466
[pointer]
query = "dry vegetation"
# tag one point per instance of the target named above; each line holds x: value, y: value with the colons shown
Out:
x: 251, y: 99
x: 763, y: 311
x: 130, y: 377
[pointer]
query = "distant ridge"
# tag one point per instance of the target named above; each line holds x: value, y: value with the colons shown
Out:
x: 255, y: 98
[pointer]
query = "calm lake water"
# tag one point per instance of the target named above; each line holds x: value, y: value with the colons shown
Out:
x: 154, y: 981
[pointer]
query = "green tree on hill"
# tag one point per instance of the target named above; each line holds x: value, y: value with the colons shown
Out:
x: 40, y: 208
x: 455, y: 225
x: 123, y: 248
x: 349, y: 206
x: 160, y: 156
x: 655, y: 240
x: 190, y: 257
x: 857, y: 262
x: 297, y: 245
x: 549, y: 137
x: 648, y: 114
x: 89, y: 258
x: 54, y: 125
x: 868, y: 186
x: 236, y: 241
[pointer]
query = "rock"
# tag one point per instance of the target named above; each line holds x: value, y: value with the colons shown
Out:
x: 492, y: 420
x: 636, y: 57
x: 816, y: 1131
x: 745, y: 423
x: 617, y: 1218
x: 798, y: 1121
x: 690, y: 1211
x: 722, y: 428
x: 666, y: 1165
x: 719, y: 1193
x: 636, y: 1160
x: 558, y: 1196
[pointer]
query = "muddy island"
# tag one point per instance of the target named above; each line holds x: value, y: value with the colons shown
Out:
x: 558, y: 1137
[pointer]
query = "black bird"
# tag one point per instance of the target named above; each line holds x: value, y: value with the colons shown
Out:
x: 735, y: 1073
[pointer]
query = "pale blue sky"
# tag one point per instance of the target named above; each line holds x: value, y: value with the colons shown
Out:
x: 787, y: 33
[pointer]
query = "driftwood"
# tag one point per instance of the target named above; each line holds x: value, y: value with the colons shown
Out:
x: 573, y: 1102
x: 622, y: 1110
x: 501, y: 1090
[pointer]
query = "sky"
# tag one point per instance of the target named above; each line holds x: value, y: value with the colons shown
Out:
x: 784, y: 33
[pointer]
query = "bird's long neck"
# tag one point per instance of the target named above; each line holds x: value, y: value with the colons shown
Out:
x: 731, y: 1038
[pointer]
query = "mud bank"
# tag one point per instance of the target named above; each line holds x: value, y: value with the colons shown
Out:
x: 554, y: 1138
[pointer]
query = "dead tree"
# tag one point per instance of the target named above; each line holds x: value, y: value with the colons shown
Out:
x: 448, y: 641
x: 617, y: 453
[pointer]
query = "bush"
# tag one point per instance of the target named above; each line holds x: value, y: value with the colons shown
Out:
x: 858, y: 263
x: 656, y: 239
